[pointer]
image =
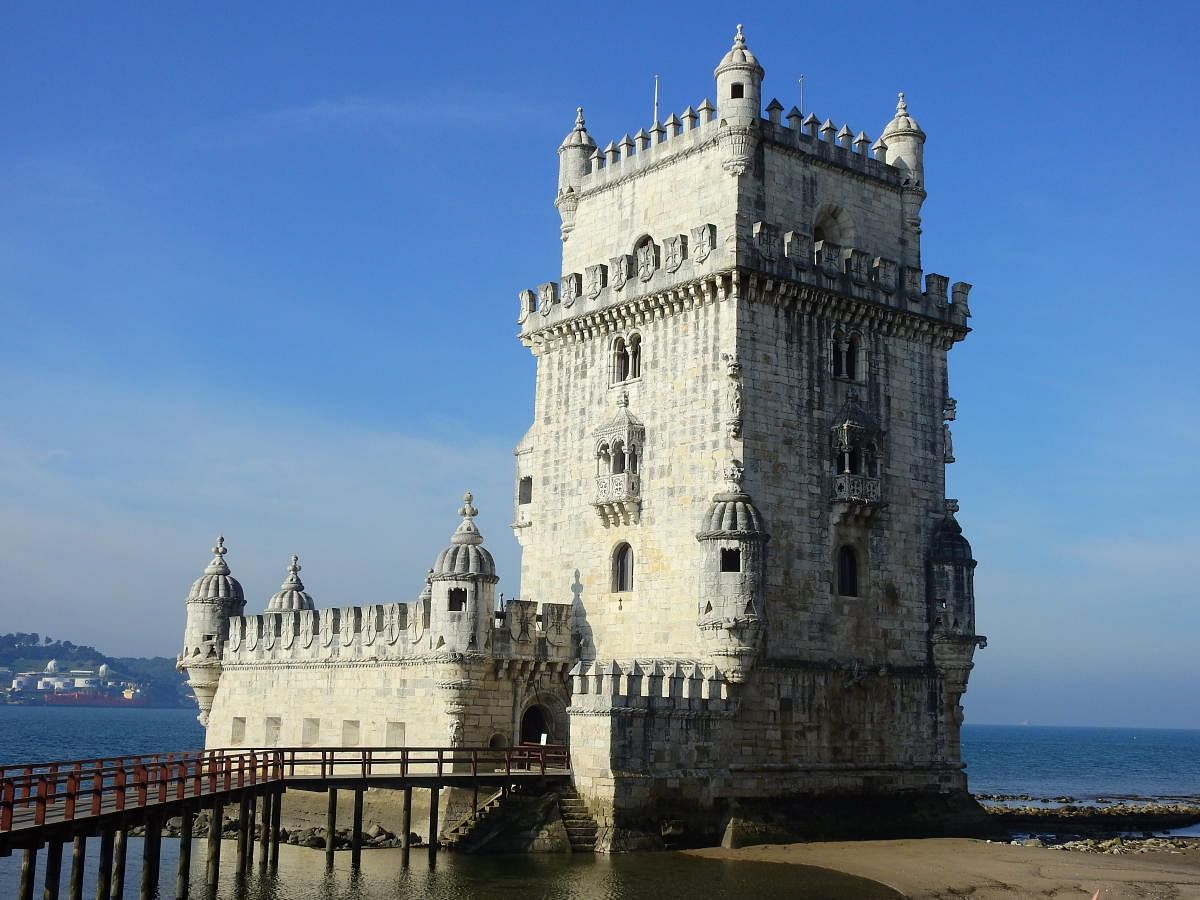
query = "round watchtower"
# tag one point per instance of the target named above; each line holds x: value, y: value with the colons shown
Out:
x: 739, y: 85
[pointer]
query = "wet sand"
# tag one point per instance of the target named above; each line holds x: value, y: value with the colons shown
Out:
x: 943, y: 868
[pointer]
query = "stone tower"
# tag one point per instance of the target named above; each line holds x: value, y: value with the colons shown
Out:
x: 736, y: 472
x: 215, y: 597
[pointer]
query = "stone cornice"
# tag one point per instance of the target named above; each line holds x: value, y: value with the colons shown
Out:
x: 637, y: 172
x: 755, y: 287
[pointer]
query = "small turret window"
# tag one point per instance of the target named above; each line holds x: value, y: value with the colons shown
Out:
x: 847, y: 572
x: 525, y: 490
x: 737, y: 91
x: 731, y: 559
x: 622, y: 570
x: 635, y: 356
x: 456, y: 599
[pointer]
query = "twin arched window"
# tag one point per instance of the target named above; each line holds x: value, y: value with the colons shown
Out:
x: 622, y: 568
x: 848, y: 358
x: 627, y: 358
x: 616, y: 459
x: 857, y: 461
x: 847, y: 571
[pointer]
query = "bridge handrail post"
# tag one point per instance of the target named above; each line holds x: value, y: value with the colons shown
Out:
x: 97, y: 786
x: 140, y: 777
x: 120, y: 785
x: 196, y: 779
x: 162, y: 770
x: 39, y: 809
x: 70, y: 798
x: 403, y: 762
x: 7, y: 798
x: 440, y: 751
x: 53, y: 773
x: 253, y: 767
x: 28, y: 792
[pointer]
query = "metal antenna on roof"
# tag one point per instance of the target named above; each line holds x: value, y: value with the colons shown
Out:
x: 655, y: 119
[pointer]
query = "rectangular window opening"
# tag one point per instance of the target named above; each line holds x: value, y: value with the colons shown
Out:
x: 238, y: 733
x: 737, y: 91
x: 310, y: 734
x: 349, y: 732
x: 731, y: 559
x: 457, y: 599
x: 525, y: 491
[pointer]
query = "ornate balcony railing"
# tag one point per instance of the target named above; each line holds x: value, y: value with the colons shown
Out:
x: 856, y: 488
x: 615, y: 488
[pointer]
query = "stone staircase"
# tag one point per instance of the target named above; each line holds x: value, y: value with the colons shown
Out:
x: 463, y: 834
x: 581, y: 827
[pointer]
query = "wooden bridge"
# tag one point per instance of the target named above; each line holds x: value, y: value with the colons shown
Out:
x: 49, y: 804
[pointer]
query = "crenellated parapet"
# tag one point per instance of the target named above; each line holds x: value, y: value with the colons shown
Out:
x: 680, y: 685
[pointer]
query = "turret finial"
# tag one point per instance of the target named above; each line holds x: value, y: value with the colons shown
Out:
x: 623, y: 399
x: 579, y: 123
x: 467, y: 511
x: 294, y: 567
x: 901, y: 105
x: 220, y: 549
x: 739, y: 39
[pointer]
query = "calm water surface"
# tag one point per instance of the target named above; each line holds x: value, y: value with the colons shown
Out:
x: 1041, y: 761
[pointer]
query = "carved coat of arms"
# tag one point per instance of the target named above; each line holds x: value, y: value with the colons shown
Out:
x: 596, y: 280
x: 620, y: 271
x: 546, y: 296
x: 675, y: 251
x: 647, y: 260
x: 570, y: 288
x: 704, y: 240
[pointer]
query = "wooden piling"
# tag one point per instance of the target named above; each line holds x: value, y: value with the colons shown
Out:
x: 78, y: 859
x: 250, y: 836
x: 53, y: 870
x: 28, y: 874
x: 433, y: 825
x: 104, y: 865
x: 406, y: 828
x: 243, y: 816
x: 330, y: 826
x: 264, y: 840
x: 356, y: 831
x: 276, y: 812
x: 212, y: 863
x: 151, y: 845
x: 120, y: 849
x: 183, y: 871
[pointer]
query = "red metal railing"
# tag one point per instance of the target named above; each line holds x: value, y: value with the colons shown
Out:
x: 78, y: 788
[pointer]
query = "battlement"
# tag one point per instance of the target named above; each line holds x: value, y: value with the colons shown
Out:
x: 523, y: 629
x: 628, y: 155
x: 824, y: 140
x: 650, y: 682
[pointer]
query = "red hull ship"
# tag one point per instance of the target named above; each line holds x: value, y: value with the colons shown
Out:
x: 80, y: 698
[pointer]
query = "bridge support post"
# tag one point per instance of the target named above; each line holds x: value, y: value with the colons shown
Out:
x: 433, y: 826
x: 330, y: 826
x: 212, y: 865
x: 150, y: 848
x: 78, y: 857
x: 252, y: 812
x: 117, y: 889
x: 276, y: 812
x: 264, y: 840
x: 243, y: 818
x: 184, y: 871
x: 356, y: 831
x: 406, y: 828
x: 28, y: 874
x: 53, y: 870
x: 104, y: 868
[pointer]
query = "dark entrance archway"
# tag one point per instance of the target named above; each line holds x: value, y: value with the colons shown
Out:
x: 534, y: 724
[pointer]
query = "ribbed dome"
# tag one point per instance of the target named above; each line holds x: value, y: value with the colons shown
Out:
x: 216, y: 583
x: 465, y: 556
x: 902, y: 123
x: 578, y: 136
x: 732, y: 514
x: 291, y: 594
x: 949, y: 545
x: 739, y: 54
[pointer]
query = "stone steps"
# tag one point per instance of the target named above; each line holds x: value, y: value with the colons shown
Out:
x: 580, y: 826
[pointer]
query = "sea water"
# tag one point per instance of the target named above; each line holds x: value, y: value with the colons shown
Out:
x: 1085, y: 763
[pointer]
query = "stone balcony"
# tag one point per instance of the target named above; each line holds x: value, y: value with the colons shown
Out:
x: 856, y: 496
x: 619, y: 498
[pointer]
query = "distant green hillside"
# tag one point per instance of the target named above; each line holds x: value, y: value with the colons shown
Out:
x: 161, y: 683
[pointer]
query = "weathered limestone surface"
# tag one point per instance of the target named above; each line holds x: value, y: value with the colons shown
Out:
x: 752, y: 605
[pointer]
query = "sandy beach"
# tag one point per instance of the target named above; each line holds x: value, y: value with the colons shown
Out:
x: 945, y: 868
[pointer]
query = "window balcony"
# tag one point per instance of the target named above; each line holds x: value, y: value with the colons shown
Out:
x: 856, y: 488
x: 619, y: 498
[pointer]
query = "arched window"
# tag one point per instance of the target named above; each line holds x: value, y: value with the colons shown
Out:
x: 622, y: 569
x: 635, y: 356
x: 603, y: 460
x: 847, y: 571
x: 631, y: 459
x: 833, y: 224
x: 618, y: 458
x: 847, y: 351
x: 620, y: 361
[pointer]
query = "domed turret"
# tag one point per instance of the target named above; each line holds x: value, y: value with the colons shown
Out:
x: 951, y: 576
x: 730, y: 614
x: 905, y: 143
x: 215, y: 596
x: 292, y: 595
x: 574, y: 162
x: 462, y: 586
x: 739, y: 84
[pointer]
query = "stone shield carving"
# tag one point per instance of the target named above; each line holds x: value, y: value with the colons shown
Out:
x: 287, y: 637
x: 307, y: 627
x: 704, y: 241
x: 547, y: 293
x: 620, y: 269
x: 675, y: 252
x: 597, y: 279
x: 571, y: 285
x: 647, y: 260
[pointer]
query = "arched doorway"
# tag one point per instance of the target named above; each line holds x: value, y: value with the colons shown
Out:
x: 535, y: 723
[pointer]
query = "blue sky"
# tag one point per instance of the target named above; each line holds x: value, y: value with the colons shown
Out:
x: 258, y: 275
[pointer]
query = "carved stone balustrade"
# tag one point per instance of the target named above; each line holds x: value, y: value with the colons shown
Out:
x: 619, y: 498
x: 856, y: 496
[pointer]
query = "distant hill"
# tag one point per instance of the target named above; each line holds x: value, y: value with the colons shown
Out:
x: 29, y: 651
